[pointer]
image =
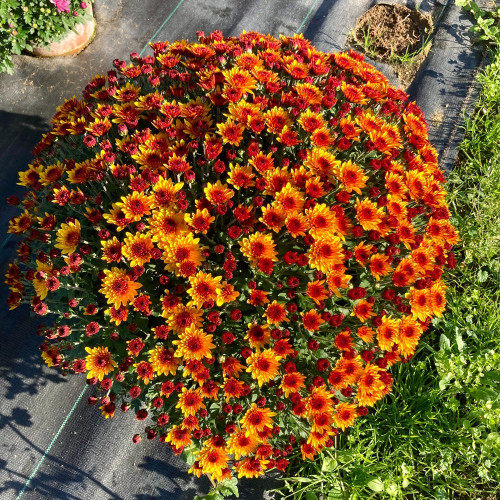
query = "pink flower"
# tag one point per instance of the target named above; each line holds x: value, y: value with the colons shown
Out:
x: 61, y: 5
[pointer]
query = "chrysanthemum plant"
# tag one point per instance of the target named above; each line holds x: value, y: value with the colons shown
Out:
x: 236, y: 239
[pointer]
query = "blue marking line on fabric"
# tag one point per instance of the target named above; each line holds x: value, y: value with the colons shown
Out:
x: 161, y: 27
x: 35, y: 470
x: 5, y: 241
x: 307, y: 17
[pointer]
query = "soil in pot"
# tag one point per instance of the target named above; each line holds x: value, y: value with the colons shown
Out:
x: 394, y: 34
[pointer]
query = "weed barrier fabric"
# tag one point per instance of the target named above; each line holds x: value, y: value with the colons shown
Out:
x: 52, y: 444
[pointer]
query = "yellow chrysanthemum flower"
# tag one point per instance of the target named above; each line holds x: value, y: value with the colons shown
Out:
x: 68, y: 237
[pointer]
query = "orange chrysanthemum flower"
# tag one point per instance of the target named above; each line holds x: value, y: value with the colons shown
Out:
x: 321, y: 220
x: 193, y: 344
x: 240, y: 177
x: 257, y: 335
x: 165, y: 192
x: 190, y: 401
x: 233, y: 388
x: 380, y: 265
x: 312, y: 320
x: 421, y: 303
x: 263, y: 365
x: 257, y: 419
x: 135, y: 206
x: 387, y: 333
x: 182, y: 316
x: 258, y: 298
x: 345, y: 415
x: 365, y: 333
x: 276, y: 119
x: 258, y: 246
x: 240, y: 79
x: 241, y: 444
x: 180, y: 250
x: 297, y: 225
x: 273, y: 216
x: 321, y: 162
x: 316, y: 291
x: 308, y: 451
x: 351, y: 176
x: 179, y: 436
x: 368, y: 214
x: 231, y: 132
x: 204, y: 287
x: 370, y: 386
x: 276, y: 313
x: 218, y: 193
x: 137, y: 248
x: 200, y: 221
x: 311, y: 121
x: 320, y: 401
x: 163, y: 361
x: 251, y: 467
x: 290, y: 199
x: 325, y: 253
x: 337, y: 279
x: 213, y: 460
x: 111, y: 250
x: 408, y: 335
x: 99, y: 362
x: 292, y: 382
x: 117, y: 217
x: 231, y: 367
x: 118, y: 287
x: 363, y: 311
x: 226, y: 293
x: 438, y: 298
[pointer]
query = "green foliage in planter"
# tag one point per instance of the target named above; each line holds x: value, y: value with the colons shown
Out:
x: 24, y: 23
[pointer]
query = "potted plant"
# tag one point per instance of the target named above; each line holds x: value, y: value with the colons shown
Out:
x: 51, y: 28
x: 236, y: 239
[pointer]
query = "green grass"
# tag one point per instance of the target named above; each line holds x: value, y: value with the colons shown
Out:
x: 437, y: 435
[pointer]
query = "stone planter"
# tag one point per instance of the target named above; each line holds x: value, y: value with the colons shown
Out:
x: 72, y: 43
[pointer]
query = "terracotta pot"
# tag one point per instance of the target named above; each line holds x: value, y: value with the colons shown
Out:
x: 72, y: 43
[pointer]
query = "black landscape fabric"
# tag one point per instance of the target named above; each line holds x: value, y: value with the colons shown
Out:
x: 52, y: 444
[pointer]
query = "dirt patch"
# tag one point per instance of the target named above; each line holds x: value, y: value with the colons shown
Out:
x: 396, y: 35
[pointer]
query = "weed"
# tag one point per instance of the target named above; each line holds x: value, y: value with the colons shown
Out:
x: 487, y: 21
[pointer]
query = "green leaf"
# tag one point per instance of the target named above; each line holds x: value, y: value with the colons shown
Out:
x: 482, y: 276
x: 229, y: 487
x: 460, y: 342
x: 311, y: 496
x: 491, y: 377
x: 484, y: 394
x: 444, y: 343
x: 334, y: 493
x: 329, y: 464
x: 213, y: 495
x: 376, y: 485
x: 188, y: 454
